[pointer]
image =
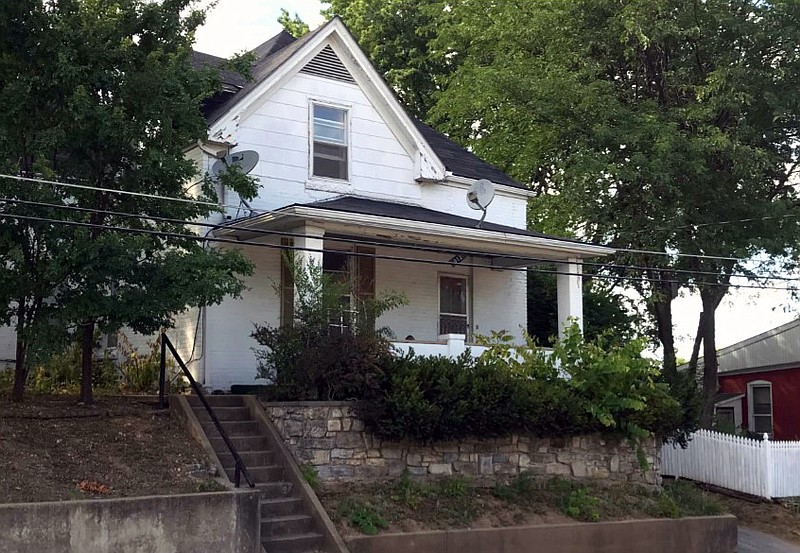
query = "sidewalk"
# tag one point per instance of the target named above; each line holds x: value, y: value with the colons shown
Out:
x: 752, y: 541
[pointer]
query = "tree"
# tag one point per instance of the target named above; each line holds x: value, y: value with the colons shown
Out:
x: 397, y: 36
x: 114, y: 103
x: 292, y: 25
x: 605, y: 311
x: 642, y: 125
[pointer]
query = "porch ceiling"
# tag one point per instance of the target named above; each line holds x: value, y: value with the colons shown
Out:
x: 411, y: 225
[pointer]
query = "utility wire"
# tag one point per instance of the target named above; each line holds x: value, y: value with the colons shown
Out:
x: 412, y: 247
x: 166, y: 234
x: 264, y: 211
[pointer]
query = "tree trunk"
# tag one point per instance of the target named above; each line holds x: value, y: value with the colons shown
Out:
x: 663, y: 314
x: 87, y: 352
x: 711, y: 298
x: 698, y: 340
x: 661, y: 307
x: 20, y: 369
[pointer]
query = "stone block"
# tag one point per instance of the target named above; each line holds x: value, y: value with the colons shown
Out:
x: 347, y: 424
x: 543, y: 458
x: 316, y: 428
x: 315, y: 443
x: 370, y: 471
x: 466, y: 448
x: 565, y: 456
x: 396, y: 467
x: 334, y: 425
x: 485, y: 466
x: 557, y: 469
x: 335, y: 413
x: 524, y: 460
x: 293, y: 428
x: 440, y: 468
x: 463, y: 467
x: 450, y: 457
x: 499, y: 458
x: 414, y: 459
x: 579, y: 469
x: 430, y: 458
x: 447, y: 447
x: 337, y: 453
x: 335, y: 471
x: 613, y: 464
x: 598, y: 472
x: 417, y: 471
x: 373, y: 453
x: 377, y: 462
x: 319, y: 456
x: 349, y: 439
x: 391, y: 453
x: 504, y: 469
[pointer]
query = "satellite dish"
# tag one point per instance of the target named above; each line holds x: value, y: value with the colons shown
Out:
x: 246, y: 160
x: 479, y: 196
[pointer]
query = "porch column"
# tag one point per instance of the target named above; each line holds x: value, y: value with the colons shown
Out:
x: 309, y: 238
x: 570, y: 293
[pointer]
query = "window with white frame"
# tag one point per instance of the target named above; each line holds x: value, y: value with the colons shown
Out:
x: 760, y: 406
x: 453, y: 305
x: 329, y: 158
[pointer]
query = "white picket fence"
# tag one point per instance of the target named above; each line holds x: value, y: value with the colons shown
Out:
x: 763, y: 468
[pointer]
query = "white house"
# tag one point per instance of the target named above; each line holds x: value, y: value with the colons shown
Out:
x: 365, y: 190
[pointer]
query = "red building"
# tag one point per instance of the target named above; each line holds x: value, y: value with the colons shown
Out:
x: 759, y: 383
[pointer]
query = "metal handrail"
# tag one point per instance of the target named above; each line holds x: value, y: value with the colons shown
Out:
x: 239, y: 468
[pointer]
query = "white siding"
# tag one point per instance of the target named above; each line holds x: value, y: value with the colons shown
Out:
x: 279, y: 131
x: 497, y: 297
x: 229, y: 357
x: 8, y: 346
x: 504, y: 210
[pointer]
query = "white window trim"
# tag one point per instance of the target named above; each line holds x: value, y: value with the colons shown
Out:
x: 439, y: 313
x: 750, y: 415
x: 328, y: 184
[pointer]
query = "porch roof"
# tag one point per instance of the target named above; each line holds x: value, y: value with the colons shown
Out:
x: 404, y: 223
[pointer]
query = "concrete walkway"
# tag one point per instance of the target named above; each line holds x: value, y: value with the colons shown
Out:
x: 752, y: 541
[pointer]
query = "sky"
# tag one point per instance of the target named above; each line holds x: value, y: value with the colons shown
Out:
x: 237, y: 25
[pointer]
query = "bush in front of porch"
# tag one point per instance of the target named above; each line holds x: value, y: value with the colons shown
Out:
x: 582, y: 387
x: 330, y: 348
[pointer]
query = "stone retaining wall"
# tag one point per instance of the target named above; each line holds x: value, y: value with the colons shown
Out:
x: 329, y: 436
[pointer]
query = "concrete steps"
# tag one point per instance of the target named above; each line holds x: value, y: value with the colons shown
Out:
x: 286, y: 526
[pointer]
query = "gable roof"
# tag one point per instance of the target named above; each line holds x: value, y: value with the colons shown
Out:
x: 777, y: 348
x: 276, y: 51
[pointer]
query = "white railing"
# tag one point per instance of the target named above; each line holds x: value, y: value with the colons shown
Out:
x: 449, y: 345
x: 763, y: 468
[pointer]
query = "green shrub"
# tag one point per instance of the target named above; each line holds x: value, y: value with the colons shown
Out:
x: 310, y: 475
x: 581, y: 388
x: 139, y: 371
x: 308, y: 360
x: 362, y: 515
x: 582, y: 506
x: 61, y: 373
x: 690, y: 500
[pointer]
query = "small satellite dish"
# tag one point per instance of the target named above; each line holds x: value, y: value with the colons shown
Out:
x: 479, y: 196
x: 246, y: 160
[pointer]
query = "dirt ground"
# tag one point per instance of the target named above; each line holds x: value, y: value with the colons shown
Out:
x: 779, y: 519
x: 53, y: 449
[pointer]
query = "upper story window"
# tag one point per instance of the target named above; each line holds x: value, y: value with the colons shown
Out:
x: 330, y: 142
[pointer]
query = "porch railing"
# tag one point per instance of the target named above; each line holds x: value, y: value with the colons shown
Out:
x: 239, y: 469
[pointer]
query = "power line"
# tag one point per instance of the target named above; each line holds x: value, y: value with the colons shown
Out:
x: 269, y: 211
x: 166, y: 234
x: 412, y: 247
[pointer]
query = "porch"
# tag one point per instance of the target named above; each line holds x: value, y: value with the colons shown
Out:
x: 460, y: 281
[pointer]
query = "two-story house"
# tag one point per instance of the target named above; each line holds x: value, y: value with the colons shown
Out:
x: 361, y: 188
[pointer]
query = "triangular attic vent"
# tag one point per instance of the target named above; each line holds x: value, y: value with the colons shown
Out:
x: 327, y: 64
